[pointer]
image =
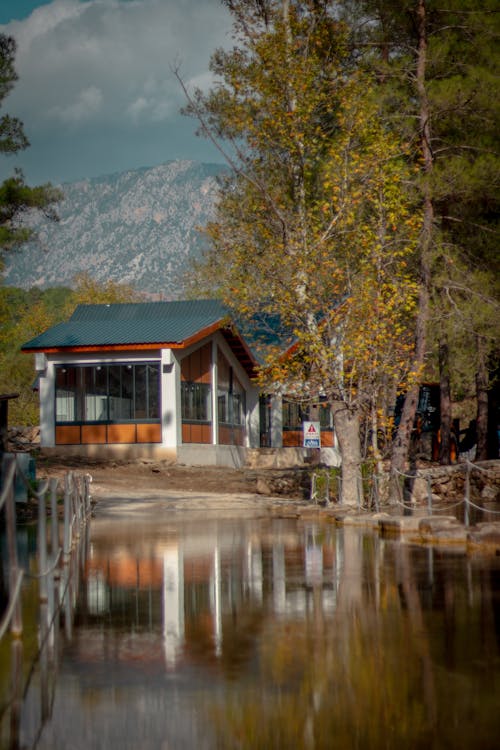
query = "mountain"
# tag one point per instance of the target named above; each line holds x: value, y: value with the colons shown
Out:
x: 138, y: 227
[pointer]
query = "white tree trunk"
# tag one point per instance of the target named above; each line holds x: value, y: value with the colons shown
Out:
x: 346, y: 424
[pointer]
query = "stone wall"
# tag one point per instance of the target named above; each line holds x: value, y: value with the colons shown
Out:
x: 23, y: 439
x: 448, y: 483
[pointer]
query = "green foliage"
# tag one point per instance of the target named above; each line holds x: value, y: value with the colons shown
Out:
x: 315, y: 227
x: 25, y: 314
x: 314, y: 212
x: 89, y: 291
x: 437, y: 68
x: 15, y: 196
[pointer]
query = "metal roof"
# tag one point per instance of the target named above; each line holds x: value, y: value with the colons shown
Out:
x: 127, y: 324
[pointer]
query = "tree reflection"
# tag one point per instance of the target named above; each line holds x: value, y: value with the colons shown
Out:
x: 365, y: 678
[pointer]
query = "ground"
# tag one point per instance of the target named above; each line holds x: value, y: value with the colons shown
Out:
x: 113, y: 477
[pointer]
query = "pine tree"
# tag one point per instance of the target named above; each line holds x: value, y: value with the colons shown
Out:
x: 437, y: 67
x: 15, y: 196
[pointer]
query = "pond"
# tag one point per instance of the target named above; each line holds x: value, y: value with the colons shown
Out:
x: 201, y: 633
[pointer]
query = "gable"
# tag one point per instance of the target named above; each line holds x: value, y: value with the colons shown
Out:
x: 142, y: 325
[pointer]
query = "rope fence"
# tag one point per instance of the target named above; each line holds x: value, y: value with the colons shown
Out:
x: 57, y: 568
x: 369, y: 491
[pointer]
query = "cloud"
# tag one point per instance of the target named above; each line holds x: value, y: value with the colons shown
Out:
x: 102, y: 61
x: 87, y: 104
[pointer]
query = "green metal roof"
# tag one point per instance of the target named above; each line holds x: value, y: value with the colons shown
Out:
x: 132, y: 323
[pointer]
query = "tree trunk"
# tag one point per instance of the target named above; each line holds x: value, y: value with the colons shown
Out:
x: 402, y: 440
x: 482, y: 382
x: 346, y: 425
x: 444, y: 402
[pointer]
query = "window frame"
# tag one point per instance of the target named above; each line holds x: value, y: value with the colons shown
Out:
x: 86, y: 392
x: 198, y: 408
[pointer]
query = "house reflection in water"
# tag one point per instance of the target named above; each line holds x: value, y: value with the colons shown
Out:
x: 200, y: 594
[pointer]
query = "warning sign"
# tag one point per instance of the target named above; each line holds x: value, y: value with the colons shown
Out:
x: 312, y: 436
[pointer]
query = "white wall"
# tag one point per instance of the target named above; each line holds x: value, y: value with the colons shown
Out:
x: 170, y: 374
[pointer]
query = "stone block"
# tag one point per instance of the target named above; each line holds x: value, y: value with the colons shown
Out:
x: 442, y: 529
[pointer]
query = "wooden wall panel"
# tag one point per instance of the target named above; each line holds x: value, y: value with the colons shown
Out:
x: 327, y: 439
x: 196, y: 433
x: 206, y: 363
x: 206, y: 434
x: 197, y: 367
x: 100, y: 434
x: 295, y: 439
x: 228, y: 436
x: 93, y: 433
x: 68, y: 435
x: 121, y: 433
x: 149, y: 433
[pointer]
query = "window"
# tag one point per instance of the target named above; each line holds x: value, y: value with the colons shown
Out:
x: 196, y: 402
x: 108, y: 393
x: 231, y: 405
x: 294, y: 413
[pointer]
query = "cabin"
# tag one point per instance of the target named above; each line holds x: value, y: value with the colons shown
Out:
x: 166, y: 380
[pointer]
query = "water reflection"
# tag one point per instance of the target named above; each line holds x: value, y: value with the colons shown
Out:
x: 274, y: 634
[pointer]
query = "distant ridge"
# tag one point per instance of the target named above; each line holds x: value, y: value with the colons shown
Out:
x: 138, y: 227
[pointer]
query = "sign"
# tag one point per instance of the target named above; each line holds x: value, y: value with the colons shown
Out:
x: 312, y: 437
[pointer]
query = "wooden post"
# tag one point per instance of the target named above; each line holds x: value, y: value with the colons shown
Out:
x: 16, y: 623
x: 67, y: 518
x: 42, y: 544
x: 54, y: 519
x: 429, y: 494
x: 467, y: 493
x: 87, y: 480
x: 17, y: 691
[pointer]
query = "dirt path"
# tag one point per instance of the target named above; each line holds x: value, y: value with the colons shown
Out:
x: 139, y: 478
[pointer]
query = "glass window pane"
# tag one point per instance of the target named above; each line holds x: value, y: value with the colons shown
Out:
x: 196, y: 402
x: 103, y: 393
x: 66, y: 394
x: 127, y: 394
x: 222, y: 410
x: 153, y: 391
x: 141, y: 391
x: 114, y: 391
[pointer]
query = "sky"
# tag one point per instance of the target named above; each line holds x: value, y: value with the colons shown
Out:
x: 96, y: 90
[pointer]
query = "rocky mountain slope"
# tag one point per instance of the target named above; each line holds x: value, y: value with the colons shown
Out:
x: 138, y: 227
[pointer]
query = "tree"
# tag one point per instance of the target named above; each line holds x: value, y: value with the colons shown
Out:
x: 313, y: 226
x: 437, y: 69
x: 25, y: 314
x: 15, y: 196
x: 88, y: 291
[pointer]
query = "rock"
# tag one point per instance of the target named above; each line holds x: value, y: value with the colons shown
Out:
x: 490, y: 493
x: 263, y: 487
x: 442, y: 529
x: 330, y: 457
x: 419, y: 491
x: 486, y: 533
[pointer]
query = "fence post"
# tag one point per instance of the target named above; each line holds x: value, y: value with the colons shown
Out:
x: 312, y: 495
x: 75, y: 494
x: 16, y: 623
x: 42, y: 544
x: 67, y: 520
x: 467, y: 493
x: 87, y: 480
x: 376, y: 497
x: 54, y: 519
x: 429, y: 494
